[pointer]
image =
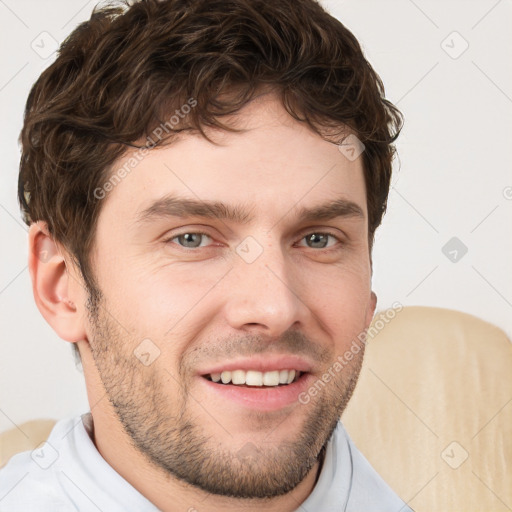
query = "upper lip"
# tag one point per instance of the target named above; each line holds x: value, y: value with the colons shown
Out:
x: 261, y: 364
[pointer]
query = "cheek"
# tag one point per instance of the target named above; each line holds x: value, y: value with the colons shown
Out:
x: 174, y: 301
x: 168, y: 303
x: 340, y: 297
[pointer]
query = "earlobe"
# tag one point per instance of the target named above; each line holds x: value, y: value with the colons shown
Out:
x: 51, y: 284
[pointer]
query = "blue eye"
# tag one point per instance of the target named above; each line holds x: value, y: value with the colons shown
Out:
x: 319, y: 240
x: 195, y: 240
x: 189, y: 240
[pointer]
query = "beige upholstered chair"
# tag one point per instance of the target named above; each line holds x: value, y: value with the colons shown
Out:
x: 29, y: 435
x: 432, y: 411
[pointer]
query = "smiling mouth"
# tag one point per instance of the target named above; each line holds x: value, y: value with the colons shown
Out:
x: 255, y: 379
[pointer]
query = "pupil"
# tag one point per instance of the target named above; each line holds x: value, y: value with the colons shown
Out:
x: 315, y: 237
x: 188, y: 239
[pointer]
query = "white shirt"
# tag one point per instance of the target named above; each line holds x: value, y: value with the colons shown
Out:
x: 68, y: 474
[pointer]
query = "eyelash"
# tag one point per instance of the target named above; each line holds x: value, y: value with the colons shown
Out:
x: 190, y: 249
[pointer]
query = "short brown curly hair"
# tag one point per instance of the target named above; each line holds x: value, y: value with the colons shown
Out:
x: 118, y: 75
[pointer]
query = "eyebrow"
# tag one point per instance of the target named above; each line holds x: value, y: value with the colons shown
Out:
x: 173, y: 206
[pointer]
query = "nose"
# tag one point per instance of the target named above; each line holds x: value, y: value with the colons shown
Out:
x: 264, y: 297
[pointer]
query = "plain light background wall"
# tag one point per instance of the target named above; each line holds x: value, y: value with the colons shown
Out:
x: 444, y: 64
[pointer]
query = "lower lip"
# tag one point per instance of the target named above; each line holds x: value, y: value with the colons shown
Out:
x: 262, y: 399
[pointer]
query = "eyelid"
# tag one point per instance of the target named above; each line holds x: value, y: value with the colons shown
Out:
x: 199, y: 229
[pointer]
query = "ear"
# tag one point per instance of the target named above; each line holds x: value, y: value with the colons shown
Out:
x: 371, y: 309
x: 58, y: 292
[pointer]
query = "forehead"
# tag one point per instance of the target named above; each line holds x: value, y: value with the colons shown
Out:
x: 274, y: 165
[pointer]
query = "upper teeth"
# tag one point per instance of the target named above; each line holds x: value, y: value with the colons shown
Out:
x: 254, y: 378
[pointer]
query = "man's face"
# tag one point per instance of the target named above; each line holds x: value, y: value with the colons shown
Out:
x: 187, y: 296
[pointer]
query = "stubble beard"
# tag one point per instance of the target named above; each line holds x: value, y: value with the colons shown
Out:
x: 174, y: 439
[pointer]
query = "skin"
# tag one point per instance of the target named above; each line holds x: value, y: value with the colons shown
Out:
x: 159, y: 426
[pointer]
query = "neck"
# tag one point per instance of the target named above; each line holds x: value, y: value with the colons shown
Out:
x: 169, y: 494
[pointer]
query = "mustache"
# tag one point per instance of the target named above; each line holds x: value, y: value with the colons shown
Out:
x: 291, y: 342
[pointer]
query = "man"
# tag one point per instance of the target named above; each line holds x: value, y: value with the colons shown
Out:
x: 203, y: 181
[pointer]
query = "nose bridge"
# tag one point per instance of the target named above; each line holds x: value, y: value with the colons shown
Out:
x: 262, y: 292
